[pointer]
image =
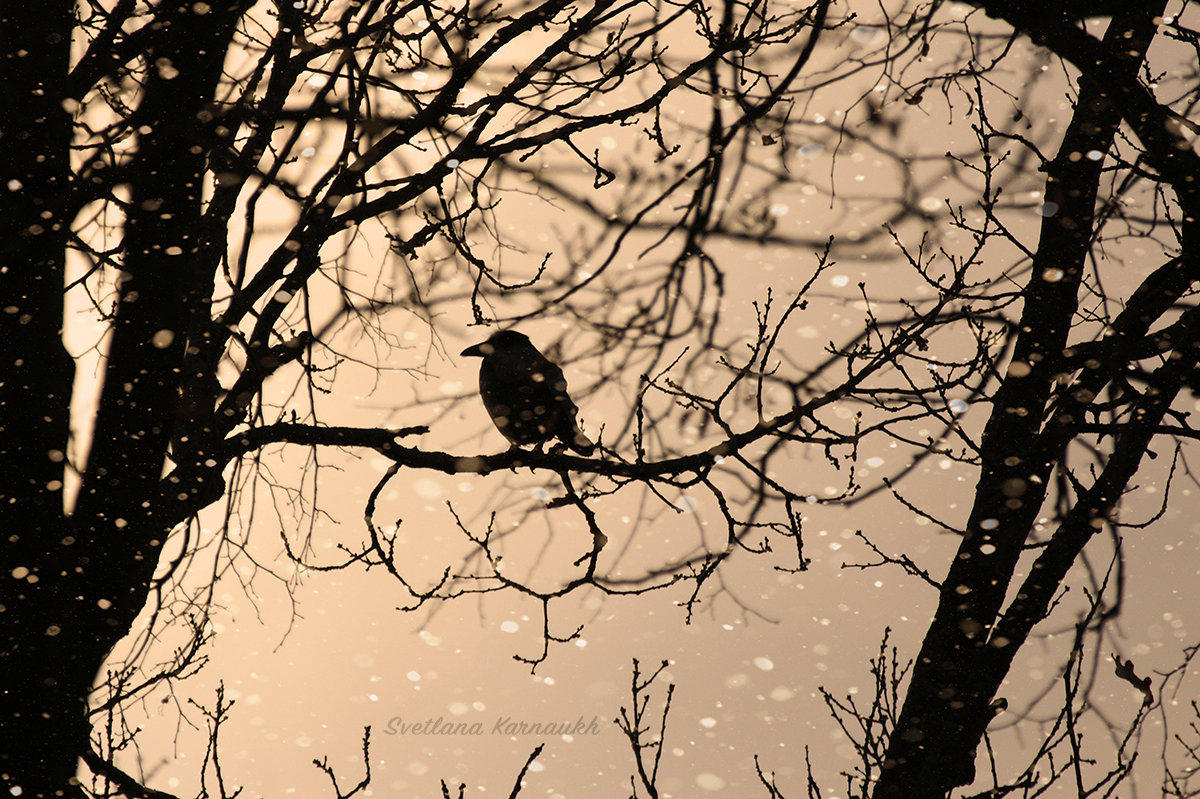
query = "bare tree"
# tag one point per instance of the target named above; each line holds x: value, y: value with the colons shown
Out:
x: 143, y: 145
x: 1087, y: 365
x: 209, y: 185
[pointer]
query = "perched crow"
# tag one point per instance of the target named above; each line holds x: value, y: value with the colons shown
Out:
x: 525, y: 394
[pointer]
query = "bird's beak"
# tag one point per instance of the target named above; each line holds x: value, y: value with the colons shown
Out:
x: 478, y: 351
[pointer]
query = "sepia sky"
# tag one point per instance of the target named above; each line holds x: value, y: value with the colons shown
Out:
x: 310, y: 657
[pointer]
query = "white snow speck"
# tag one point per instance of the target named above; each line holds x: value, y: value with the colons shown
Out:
x: 867, y: 34
x: 428, y: 489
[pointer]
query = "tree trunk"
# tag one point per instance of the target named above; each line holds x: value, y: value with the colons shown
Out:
x: 72, y: 583
x: 47, y: 660
x: 962, y: 662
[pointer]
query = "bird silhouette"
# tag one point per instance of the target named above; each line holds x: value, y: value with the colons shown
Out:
x: 526, y: 394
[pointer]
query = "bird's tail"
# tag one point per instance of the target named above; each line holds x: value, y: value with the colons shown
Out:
x: 578, y: 441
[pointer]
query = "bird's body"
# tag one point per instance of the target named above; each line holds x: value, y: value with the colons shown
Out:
x: 526, y: 394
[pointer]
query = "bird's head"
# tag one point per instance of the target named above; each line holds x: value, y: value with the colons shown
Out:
x: 504, y: 340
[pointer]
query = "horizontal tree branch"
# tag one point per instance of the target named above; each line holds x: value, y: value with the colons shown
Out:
x: 384, y: 441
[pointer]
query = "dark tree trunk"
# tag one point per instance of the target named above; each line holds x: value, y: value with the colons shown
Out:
x: 74, y: 582
x: 970, y: 645
x: 48, y: 656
